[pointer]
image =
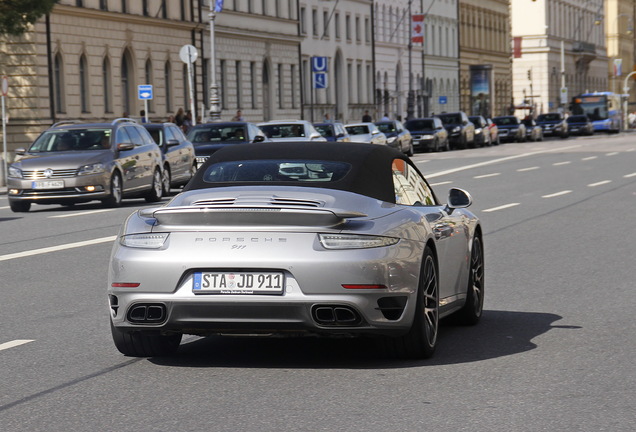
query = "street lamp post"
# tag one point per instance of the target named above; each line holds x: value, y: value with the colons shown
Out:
x: 625, y: 99
x: 215, y: 106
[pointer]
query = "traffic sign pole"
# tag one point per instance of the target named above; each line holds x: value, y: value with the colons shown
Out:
x: 5, y: 90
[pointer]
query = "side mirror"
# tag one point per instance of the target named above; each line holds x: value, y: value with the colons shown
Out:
x: 458, y: 198
x: 125, y: 146
x: 20, y: 151
x: 258, y: 138
x: 172, y: 143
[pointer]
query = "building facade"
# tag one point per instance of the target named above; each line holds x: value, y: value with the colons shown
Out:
x: 619, y: 28
x: 340, y: 35
x: 485, y: 68
x: 560, y: 51
x: 426, y: 73
x: 85, y: 60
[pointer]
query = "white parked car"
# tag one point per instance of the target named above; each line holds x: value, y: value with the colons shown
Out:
x: 365, y: 132
x: 291, y: 130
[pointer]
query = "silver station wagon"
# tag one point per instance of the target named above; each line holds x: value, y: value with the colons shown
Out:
x: 77, y: 162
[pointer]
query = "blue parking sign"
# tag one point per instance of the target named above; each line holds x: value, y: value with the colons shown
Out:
x: 443, y: 100
x: 145, y: 91
x: 320, y: 80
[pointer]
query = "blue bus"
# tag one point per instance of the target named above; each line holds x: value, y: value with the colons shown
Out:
x: 603, y: 108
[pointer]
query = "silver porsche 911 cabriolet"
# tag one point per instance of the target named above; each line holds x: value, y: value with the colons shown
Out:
x: 326, y: 239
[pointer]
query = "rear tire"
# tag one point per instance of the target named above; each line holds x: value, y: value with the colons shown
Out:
x: 420, y: 341
x: 156, y: 187
x: 472, y: 310
x: 20, y: 207
x: 165, y: 181
x: 141, y: 344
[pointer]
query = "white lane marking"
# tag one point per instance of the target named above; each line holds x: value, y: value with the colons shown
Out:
x: 441, y: 183
x: 599, y: 183
x: 556, y: 194
x: 589, y: 158
x: 505, y: 206
x: 14, y: 343
x: 528, y: 169
x: 561, y: 163
x: 490, y: 162
x: 56, y: 248
x: 82, y: 213
x: 611, y: 154
x: 4, y: 208
x: 629, y: 175
x: 487, y: 175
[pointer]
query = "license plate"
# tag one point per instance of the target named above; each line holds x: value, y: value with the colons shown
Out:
x: 48, y: 184
x: 238, y: 283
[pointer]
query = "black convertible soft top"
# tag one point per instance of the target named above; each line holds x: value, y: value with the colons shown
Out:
x: 370, y: 173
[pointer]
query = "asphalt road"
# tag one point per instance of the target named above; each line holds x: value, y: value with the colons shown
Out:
x: 554, y: 352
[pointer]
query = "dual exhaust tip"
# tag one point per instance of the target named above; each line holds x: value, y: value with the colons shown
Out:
x: 335, y: 316
x: 147, y: 314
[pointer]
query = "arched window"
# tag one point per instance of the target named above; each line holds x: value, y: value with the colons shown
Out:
x: 107, y: 86
x: 127, y: 82
x: 58, y: 82
x: 167, y: 79
x: 148, y: 80
x: 83, y: 82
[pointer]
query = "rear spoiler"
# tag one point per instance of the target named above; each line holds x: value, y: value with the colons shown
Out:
x: 248, y: 215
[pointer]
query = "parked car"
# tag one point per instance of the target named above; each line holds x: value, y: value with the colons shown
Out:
x: 79, y: 162
x: 210, y: 137
x: 333, y: 131
x: 360, y: 246
x: 580, y: 125
x: 482, y: 131
x: 553, y: 124
x: 494, y: 132
x: 397, y: 136
x: 179, y: 162
x: 534, y: 132
x: 461, y: 132
x: 366, y: 132
x: 428, y: 134
x: 292, y: 130
x: 510, y: 129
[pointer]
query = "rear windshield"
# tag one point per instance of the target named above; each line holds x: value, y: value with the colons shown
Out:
x: 216, y: 134
x: 419, y: 124
x: 267, y: 171
x: 72, y: 140
x: 325, y: 130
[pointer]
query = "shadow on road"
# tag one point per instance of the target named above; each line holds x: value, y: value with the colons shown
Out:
x: 499, y: 334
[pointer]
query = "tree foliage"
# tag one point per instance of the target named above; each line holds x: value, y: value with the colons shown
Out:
x: 17, y: 15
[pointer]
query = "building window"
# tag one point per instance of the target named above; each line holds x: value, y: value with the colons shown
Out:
x: 303, y: 24
x: 148, y: 78
x: 167, y: 80
x: 164, y: 9
x: 127, y: 81
x: 253, y: 83
x: 367, y: 31
x: 314, y: 22
x: 58, y: 80
x: 325, y: 23
x: 182, y: 9
x: 293, y: 86
x: 83, y: 81
x: 280, y: 86
x: 223, y: 85
x: 103, y: 4
x: 79, y: 3
x: 107, y: 85
x: 357, y: 29
x: 239, y: 85
x: 124, y: 6
x: 337, y: 24
x: 348, y: 27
